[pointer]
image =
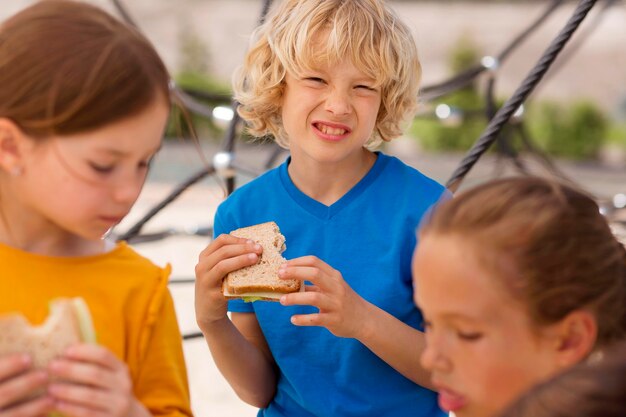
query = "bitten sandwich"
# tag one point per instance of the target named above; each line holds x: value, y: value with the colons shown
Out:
x: 260, y: 281
x: 68, y: 323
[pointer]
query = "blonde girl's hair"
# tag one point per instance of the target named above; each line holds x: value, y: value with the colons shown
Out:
x: 365, y: 31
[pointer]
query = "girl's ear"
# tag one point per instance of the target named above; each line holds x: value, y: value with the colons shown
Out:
x: 576, y: 337
x: 12, y: 140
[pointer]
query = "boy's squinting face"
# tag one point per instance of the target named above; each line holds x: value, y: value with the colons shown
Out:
x: 329, y: 114
x: 84, y: 184
x: 481, y: 348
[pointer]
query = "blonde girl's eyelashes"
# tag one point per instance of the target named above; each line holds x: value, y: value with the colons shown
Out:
x: 316, y: 80
x: 366, y: 87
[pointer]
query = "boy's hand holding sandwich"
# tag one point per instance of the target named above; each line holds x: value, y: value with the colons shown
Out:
x: 224, y: 254
x: 341, y: 309
x: 243, y: 264
x: 247, y: 264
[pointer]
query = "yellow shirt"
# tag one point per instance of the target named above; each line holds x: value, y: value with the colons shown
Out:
x: 132, y: 311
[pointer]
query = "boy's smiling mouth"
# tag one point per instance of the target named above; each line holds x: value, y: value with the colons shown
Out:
x: 331, y: 131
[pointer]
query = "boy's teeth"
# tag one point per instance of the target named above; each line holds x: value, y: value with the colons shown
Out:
x: 332, y: 130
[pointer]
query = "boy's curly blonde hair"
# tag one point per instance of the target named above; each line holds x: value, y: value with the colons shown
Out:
x: 365, y: 31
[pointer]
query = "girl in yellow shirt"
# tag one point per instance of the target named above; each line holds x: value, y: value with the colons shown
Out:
x: 83, y: 104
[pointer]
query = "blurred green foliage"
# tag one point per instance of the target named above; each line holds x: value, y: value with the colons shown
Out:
x: 195, y: 75
x: 458, y: 134
x: 617, y: 135
x: 576, y: 130
x: 204, y: 127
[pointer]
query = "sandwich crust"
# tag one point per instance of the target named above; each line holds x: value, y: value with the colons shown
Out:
x: 262, y: 276
x: 45, y: 342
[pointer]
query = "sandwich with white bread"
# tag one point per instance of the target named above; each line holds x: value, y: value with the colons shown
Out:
x: 68, y: 323
x: 260, y: 281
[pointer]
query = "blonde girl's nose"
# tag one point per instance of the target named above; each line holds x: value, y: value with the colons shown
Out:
x: 338, y: 102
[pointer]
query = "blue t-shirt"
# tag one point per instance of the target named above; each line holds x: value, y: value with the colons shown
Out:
x: 369, y: 236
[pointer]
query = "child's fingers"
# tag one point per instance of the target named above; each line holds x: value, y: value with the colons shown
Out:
x: 311, y: 261
x: 12, y: 365
x: 92, y: 365
x: 214, y: 261
x: 94, y: 354
x: 82, y: 373
x: 74, y: 410
x: 311, y: 298
x: 21, y: 386
x: 219, y: 242
x: 237, y: 259
x: 323, y: 281
x: 81, y: 395
x: 96, y: 381
x: 312, y: 288
x: 35, y: 408
x: 307, y: 320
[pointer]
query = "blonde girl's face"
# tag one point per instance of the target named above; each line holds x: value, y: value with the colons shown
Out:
x: 330, y: 112
x: 481, y: 347
x: 84, y: 184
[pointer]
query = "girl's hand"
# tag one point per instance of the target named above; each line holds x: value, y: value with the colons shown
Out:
x: 341, y: 310
x: 19, y: 381
x: 225, y: 254
x: 92, y: 382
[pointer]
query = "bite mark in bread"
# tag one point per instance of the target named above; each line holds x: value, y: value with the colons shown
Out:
x: 261, y: 279
x: 68, y: 323
x: 62, y: 329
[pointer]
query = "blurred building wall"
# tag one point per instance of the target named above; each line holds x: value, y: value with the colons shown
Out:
x: 596, y: 71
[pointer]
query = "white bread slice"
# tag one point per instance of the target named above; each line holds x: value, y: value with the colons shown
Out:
x: 260, y: 281
x: 68, y: 323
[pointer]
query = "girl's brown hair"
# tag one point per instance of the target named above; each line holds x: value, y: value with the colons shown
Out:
x: 67, y: 67
x: 590, y: 389
x: 549, y: 245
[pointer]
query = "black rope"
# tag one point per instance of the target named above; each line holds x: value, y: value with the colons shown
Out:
x: 180, y: 281
x: 462, y: 79
x: 581, y: 37
x: 136, y: 228
x: 457, y: 82
x: 186, y: 98
x: 124, y: 13
x: 513, y: 103
x: 194, y: 335
x: 542, y: 158
x: 231, y: 134
x: 504, y: 138
x: 207, y: 95
x: 530, y: 29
